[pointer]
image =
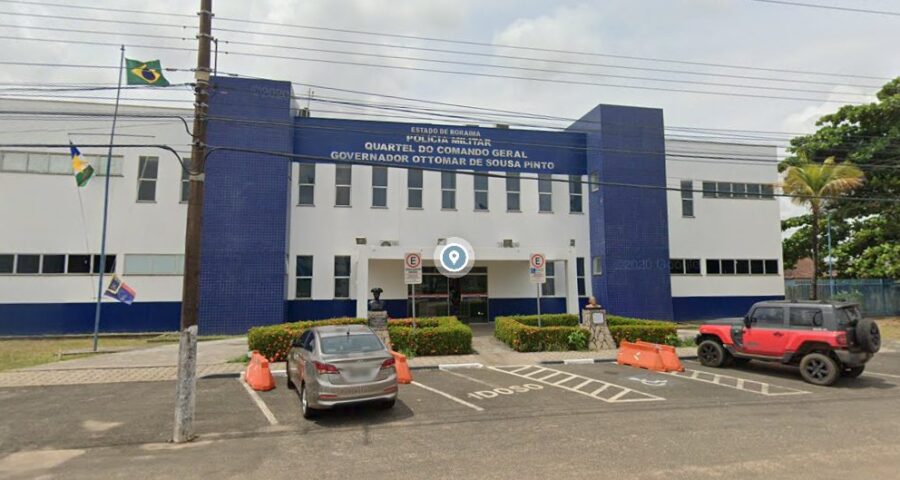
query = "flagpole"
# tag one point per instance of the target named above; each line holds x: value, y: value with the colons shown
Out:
x: 112, y: 136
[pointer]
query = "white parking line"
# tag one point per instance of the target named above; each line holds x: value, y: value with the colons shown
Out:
x: 737, y: 383
x: 617, y: 393
x: 462, y: 375
x: 447, y: 395
x: 259, y: 402
x: 883, y: 374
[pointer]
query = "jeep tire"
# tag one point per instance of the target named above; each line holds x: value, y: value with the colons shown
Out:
x: 819, y: 369
x: 853, y: 372
x: 868, y: 335
x: 711, y: 353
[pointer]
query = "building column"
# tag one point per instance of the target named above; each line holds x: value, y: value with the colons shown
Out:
x: 571, y: 284
x: 362, y: 283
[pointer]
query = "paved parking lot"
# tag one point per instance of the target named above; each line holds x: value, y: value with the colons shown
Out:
x: 760, y: 421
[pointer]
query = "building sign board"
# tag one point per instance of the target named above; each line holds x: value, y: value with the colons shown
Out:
x: 412, y: 268
x: 537, y: 268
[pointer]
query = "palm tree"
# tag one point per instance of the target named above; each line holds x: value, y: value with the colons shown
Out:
x: 808, y: 183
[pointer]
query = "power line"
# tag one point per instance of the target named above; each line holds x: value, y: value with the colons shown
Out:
x: 829, y: 7
x: 96, y: 20
x: 94, y: 32
x: 533, y: 69
x: 79, y: 65
x: 96, y: 9
x: 104, y: 44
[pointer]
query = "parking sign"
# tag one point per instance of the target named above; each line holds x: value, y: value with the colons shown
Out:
x: 412, y: 268
x: 537, y: 268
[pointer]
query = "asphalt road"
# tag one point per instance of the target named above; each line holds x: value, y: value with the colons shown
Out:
x: 561, y: 421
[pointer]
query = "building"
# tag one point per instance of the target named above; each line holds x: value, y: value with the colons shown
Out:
x: 304, y: 215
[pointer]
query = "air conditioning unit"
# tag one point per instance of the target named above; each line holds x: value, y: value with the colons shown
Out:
x: 571, y: 242
x: 441, y: 241
x: 389, y: 243
x: 360, y: 240
x: 303, y: 112
x: 508, y: 243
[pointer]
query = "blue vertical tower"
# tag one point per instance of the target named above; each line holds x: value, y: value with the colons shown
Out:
x: 246, y: 206
x: 629, y: 229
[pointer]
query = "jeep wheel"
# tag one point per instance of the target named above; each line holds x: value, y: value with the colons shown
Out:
x: 819, y: 369
x: 853, y: 372
x: 712, y: 354
x: 868, y: 335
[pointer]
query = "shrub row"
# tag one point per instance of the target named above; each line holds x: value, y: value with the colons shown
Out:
x: 557, y: 332
x: 274, y: 341
x: 432, y: 336
x: 634, y: 329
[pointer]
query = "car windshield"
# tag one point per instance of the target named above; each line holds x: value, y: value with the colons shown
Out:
x: 351, y: 344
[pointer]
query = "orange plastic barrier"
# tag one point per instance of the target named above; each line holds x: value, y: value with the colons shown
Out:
x: 259, y: 375
x: 404, y: 375
x: 669, y: 356
x: 640, y: 355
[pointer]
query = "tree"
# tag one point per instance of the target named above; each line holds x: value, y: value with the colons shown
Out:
x: 809, y: 183
x: 864, y: 232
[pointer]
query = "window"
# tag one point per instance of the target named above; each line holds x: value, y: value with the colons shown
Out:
x: 414, y: 189
x: 38, y: 163
x: 739, y: 190
x: 595, y: 182
x: 684, y: 266
x: 481, y: 192
x: 687, y: 198
x: 343, y: 177
x: 110, y: 264
x: 742, y: 267
x: 148, y: 170
x: 805, y: 317
x: 379, y: 187
x: 756, y: 267
x: 345, y: 344
x: 342, y: 276
x: 753, y: 190
x: 448, y: 190
x: 709, y: 189
x: 724, y: 190
x: 307, y: 180
x: 79, y: 264
x: 154, y: 264
x: 53, y: 264
x: 768, y: 191
x: 596, y: 266
x: 6, y: 263
x: 304, y: 276
x: 185, y: 182
x: 727, y: 267
x: 545, y: 192
x: 28, y: 263
x: 575, y: 194
x: 579, y: 273
x: 712, y: 267
x: 16, y: 162
x: 768, y: 317
x: 771, y: 267
x: 548, y: 288
x: 513, y: 191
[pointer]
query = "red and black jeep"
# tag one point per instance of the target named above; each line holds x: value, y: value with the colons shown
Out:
x: 826, y: 339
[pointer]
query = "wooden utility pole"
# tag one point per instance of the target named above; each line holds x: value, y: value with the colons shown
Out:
x: 190, y: 299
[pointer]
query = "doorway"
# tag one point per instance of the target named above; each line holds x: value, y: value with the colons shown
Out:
x: 465, y: 297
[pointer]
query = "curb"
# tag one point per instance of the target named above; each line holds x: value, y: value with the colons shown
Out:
x: 575, y: 361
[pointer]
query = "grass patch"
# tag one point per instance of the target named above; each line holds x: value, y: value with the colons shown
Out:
x: 890, y: 328
x: 244, y: 359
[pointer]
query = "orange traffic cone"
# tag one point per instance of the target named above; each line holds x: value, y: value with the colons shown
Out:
x: 404, y: 375
x: 259, y: 375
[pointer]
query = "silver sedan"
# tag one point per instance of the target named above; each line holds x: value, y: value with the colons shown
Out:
x: 339, y: 365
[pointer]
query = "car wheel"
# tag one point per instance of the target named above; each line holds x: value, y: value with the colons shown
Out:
x: 819, y: 369
x: 853, y: 372
x: 308, y: 412
x: 287, y: 370
x: 868, y: 335
x: 712, y: 354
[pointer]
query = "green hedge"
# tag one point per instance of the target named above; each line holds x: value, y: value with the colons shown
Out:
x: 634, y: 329
x: 274, y: 341
x: 522, y: 333
x: 432, y: 336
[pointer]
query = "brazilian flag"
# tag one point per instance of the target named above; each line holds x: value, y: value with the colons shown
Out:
x: 145, y: 73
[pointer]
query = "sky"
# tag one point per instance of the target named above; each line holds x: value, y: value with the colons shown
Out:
x: 734, y: 32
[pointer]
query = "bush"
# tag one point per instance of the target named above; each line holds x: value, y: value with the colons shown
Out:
x: 432, y: 336
x: 634, y: 329
x: 274, y: 341
x: 556, y: 333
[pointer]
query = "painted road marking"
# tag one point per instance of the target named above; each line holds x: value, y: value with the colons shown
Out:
x: 590, y: 387
x: 259, y: 402
x: 447, y: 395
x: 737, y: 383
x: 476, y: 380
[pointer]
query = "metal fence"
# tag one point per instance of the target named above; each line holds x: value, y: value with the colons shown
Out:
x: 876, y: 297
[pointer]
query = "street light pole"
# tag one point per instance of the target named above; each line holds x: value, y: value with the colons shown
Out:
x: 190, y: 302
